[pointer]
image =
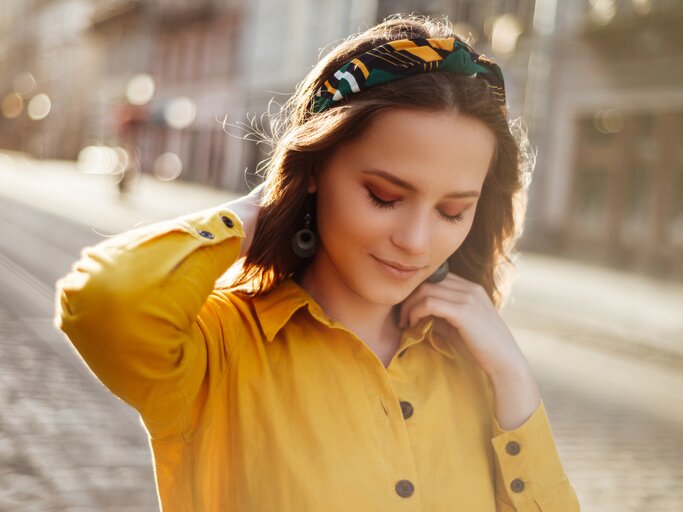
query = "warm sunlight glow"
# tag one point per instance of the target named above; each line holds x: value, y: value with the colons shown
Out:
x: 506, y: 31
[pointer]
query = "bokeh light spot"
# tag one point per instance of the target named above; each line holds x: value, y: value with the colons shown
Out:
x: 180, y: 113
x: 140, y: 89
x: 167, y: 166
x: 39, y: 107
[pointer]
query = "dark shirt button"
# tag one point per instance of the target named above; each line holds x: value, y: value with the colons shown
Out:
x: 228, y: 221
x: 512, y: 447
x: 404, y: 488
x: 517, y: 485
x: 402, y: 352
x: 206, y: 234
x: 406, y: 409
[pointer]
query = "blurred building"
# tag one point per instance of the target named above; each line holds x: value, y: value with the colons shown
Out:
x: 47, y: 70
x: 169, y: 70
x: 613, y: 179
x: 284, y: 41
x: 214, y: 65
x: 181, y: 80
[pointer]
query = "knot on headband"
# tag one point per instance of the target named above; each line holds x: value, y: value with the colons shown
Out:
x: 406, y: 57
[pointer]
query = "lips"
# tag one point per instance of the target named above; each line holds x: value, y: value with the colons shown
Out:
x: 398, y: 266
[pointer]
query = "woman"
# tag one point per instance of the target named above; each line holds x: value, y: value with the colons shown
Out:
x: 390, y: 204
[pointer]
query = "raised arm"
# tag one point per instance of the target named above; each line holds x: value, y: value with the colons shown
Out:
x: 140, y: 310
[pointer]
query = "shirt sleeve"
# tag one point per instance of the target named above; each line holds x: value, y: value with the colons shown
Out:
x: 141, y: 311
x: 529, y: 473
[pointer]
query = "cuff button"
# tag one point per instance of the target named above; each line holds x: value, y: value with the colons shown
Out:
x: 228, y: 221
x: 517, y: 485
x: 512, y: 448
x: 206, y: 234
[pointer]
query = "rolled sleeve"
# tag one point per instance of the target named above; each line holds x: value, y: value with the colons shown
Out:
x: 530, y: 476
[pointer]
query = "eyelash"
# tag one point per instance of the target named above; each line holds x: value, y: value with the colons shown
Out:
x: 390, y: 204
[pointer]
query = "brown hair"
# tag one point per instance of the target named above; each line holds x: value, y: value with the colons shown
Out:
x: 306, y: 140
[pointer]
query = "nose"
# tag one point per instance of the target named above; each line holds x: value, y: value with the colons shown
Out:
x: 413, y: 232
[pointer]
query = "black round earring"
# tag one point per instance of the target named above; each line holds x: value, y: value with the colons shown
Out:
x: 439, y: 274
x: 305, y: 241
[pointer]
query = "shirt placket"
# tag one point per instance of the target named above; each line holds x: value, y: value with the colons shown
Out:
x: 389, y: 416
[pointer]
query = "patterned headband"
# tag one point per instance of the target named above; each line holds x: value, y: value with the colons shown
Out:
x: 406, y: 57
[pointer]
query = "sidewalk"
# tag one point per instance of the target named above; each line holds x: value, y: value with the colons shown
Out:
x: 616, y: 307
x: 58, y: 187
x: 624, y: 313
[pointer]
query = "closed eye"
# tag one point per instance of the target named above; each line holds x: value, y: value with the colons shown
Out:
x: 381, y: 203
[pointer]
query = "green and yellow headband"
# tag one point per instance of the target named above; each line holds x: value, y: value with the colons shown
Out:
x: 406, y: 57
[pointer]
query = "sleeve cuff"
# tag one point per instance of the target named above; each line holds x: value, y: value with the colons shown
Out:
x: 208, y: 227
x: 530, y: 470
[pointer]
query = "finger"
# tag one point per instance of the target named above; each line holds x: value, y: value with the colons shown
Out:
x: 451, y: 282
x: 459, y: 282
x: 447, y: 294
x: 416, y: 295
x: 437, y: 306
x: 426, y: 290
x: 476, y: 291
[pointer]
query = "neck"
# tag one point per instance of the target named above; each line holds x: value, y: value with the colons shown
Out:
x: 372, y: 322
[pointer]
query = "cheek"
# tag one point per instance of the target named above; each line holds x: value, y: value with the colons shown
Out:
x: 350, y: 220
x: 447, y: 245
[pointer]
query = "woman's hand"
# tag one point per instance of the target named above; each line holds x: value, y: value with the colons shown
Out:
x: 247, y: 209
x: 465, y: 314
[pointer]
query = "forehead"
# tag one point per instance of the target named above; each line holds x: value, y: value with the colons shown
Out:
x: 434, y: 150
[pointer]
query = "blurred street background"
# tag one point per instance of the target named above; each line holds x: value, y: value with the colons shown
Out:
x: 116, y: 113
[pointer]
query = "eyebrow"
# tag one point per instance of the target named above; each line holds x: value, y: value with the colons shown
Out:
x: 409, y: 186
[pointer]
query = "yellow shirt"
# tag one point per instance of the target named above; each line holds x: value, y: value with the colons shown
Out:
x: 269, y: 405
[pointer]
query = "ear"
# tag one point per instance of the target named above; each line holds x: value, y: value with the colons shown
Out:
x: 312, y: 182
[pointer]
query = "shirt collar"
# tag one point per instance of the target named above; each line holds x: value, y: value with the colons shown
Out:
x: 275, y: 308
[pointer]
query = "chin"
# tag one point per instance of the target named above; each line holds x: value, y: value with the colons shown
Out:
x: 379, y: 286
x: 387, y: 291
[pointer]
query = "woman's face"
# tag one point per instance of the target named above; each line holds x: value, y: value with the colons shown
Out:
x: 405, y: 192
